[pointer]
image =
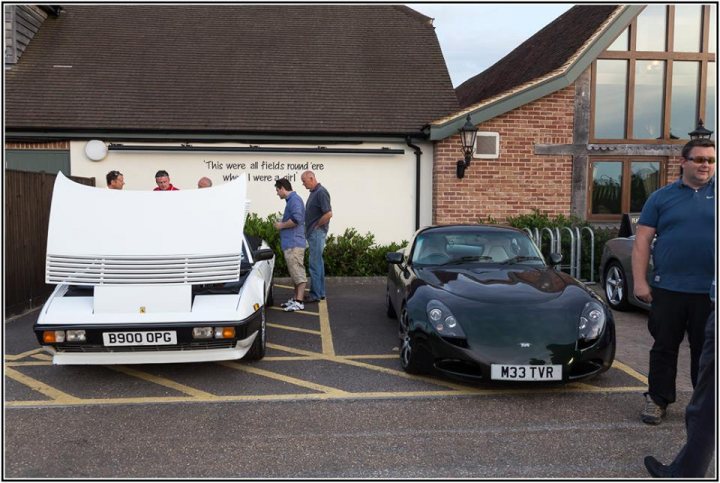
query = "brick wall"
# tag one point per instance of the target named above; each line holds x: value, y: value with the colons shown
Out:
x: 44, y: 145
x: 518, y: 181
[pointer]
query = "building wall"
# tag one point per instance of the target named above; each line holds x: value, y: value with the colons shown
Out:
x: 370, y: 193
x: 519, y: 180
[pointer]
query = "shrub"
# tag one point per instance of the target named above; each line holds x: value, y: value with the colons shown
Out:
x: 349, y: 254
x: 541, y: 220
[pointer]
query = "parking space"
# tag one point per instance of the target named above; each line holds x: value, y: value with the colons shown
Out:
x: 343, y: 348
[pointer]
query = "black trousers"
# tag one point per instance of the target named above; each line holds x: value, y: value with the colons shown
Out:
x: 672, y: 314
x: 694, y: 458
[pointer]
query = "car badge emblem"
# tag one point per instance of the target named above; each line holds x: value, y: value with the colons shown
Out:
x: 142, y: 309
x: 524, y: 344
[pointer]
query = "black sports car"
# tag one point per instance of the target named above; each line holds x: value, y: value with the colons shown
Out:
x: 479, y: 302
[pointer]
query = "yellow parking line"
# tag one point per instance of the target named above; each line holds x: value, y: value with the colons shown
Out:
x: 307, y: 312
x: 162, y: 382
x: 283, y: 286
x: 327, y: 342
x: 296, y: 329
x: 292, y: 358
x: 28, y: 363
x: 42, y: 357
x: 284, y: 378
x: 15, y: 357
x: 373, y: 356
x: 40, y: 387
x: 342, y: 360
x: 630, y: 371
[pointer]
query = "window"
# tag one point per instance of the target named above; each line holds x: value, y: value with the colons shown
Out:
x: 622, y: 185
x: 657, y: 78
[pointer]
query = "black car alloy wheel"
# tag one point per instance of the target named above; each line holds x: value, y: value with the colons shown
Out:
x: 413, y: 358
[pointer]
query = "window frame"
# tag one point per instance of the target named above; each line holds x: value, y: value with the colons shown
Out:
x: 625, y: 187
x: 704, y: 57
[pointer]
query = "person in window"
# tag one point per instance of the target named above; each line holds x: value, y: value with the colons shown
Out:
x: 682, y: 215
x: 115, y: 180
x: 162, y: 179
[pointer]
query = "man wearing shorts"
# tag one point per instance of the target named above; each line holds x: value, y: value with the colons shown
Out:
x: 292, y: 241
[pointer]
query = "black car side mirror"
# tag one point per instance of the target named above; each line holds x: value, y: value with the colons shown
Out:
x: 555, y: 259
x: 263, y: 254
x: 396, y: 258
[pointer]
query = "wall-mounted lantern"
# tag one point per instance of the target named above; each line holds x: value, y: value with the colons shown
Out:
x: 700, y: 132
x: 468, y: 133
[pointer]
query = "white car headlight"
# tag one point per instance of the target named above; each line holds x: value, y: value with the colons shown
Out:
x: 592, y: 321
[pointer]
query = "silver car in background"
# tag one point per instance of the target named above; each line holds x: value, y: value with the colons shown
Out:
x: 616, y: 267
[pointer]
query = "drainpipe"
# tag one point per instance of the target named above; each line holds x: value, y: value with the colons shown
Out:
x: 418, y: 153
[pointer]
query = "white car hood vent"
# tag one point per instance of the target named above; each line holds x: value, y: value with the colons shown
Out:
x: 98, y: 236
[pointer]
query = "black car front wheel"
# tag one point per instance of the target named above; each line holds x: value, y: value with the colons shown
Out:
x: 616, y: 286
x: 413, y: 358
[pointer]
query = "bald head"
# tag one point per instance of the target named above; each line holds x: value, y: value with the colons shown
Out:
x: 204, y: 182
x: 308, y: 180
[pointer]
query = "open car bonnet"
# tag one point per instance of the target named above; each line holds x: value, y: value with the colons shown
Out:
x: 100, y: 236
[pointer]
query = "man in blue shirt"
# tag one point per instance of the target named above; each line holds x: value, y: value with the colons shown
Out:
x: 317, y: 222
x: 682, y: 215
x: 292, y: 241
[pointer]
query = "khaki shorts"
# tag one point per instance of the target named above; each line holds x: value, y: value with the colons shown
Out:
x: 294, y: 257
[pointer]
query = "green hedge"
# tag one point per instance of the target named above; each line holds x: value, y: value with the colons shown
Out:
x: 541, y: 220
x: 349, y: 254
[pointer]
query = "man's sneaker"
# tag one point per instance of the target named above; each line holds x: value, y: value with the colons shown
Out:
x: 652, y: 413
x: 295, y: 305
x: 288, y: 303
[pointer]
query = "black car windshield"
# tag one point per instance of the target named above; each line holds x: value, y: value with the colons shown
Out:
x: 467, y: 247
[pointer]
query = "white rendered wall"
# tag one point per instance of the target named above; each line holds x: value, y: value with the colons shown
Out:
x: 371, y: 193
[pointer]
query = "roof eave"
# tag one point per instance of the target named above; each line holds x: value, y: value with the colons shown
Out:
x: 561, y: 78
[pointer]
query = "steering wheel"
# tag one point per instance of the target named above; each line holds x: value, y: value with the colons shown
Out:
x: 435, y: 258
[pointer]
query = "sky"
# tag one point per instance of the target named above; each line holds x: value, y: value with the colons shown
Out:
x: 473, y: 36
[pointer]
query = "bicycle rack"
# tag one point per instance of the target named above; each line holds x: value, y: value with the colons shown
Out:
x: 574, y: 267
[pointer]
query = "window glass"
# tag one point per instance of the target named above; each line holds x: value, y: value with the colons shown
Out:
x: 622, y: 42
x: 648, y: 105
x: 685, y: 85
x: 710, y: 97
x: 644, y: 179
x: 610, y: 99
x: 607, y: 187
x: 651, y: 28
x: 712, y: 34
x: 688, y: 28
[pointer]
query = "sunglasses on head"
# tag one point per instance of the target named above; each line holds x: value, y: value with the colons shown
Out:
x: 702, y: 159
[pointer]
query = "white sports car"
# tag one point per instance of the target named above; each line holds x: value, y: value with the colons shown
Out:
x: 153, y: 277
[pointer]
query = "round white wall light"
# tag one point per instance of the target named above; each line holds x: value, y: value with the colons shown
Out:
x: 96, y: 150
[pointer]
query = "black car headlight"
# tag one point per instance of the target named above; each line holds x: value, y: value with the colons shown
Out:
x: 592, y: 321
x: 442, y: 320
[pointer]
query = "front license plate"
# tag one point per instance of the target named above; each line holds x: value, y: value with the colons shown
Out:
x: 157, y: 337
x: 501, y: 372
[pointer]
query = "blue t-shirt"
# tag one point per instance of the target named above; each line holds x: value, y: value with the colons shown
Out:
x: 294, y: 210
x: 684, y: 221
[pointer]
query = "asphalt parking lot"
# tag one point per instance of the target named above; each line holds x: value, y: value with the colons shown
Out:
x: 328, y: 400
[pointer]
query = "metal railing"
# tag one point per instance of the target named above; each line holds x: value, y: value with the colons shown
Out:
x: 554, y: 238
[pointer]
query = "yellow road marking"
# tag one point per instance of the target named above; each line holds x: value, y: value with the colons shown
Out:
x: 283, y: 286
x: 295, y: 312
x: 162, y: 381
x: 630, y: 371
x: 42, y: 357
x: 28, y: 363
x: 373, y: 356
x: 327, y: 343
x: 292, y: 358
x: 41, y: 387
x: 296, y: 329
x: 342, y: 360
x: 14, y: 357
x: 283, y: 378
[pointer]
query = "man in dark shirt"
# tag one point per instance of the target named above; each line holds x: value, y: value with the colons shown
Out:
x: 317, y: 222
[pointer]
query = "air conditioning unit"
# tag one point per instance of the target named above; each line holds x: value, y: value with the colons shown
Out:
x: 487, y: 145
